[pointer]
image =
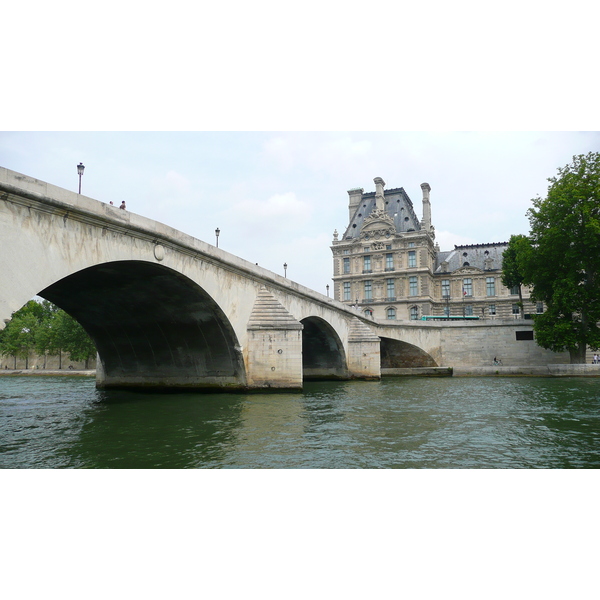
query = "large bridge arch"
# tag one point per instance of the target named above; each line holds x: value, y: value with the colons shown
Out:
x: 152, y: 326
x: 323, y: 355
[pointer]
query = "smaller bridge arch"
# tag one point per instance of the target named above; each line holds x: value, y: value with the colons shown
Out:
x: 323, y: 355
x: 396, y: 354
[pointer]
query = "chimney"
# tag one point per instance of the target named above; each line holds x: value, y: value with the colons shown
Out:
x: 426, y: 220
x: 379, y: 199
x: 355, y: 200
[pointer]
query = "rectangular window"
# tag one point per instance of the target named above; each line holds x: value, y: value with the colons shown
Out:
x: 388, y: 246
x: 347, y: 293
x: 468, y: 310
x: 346, y: 251
x: 411, y: 244
x: 445, y: 288
x: 391, y: 290
x: 446, y: 311
x: 467, y: 287
x: 490, y: 286
x: 412, y: 258
x: 389, y: 262
x: 524, y: 335
x: 514, y: 291
x: 413, y: 286
x: 368, y: 290
x: 346, y: 265
x: 515, y: 309
x: 539, y: 308
x: 366, y: 264
x: 367, y: 249
x: 492, y: 309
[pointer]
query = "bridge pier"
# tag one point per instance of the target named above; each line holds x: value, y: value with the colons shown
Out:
x: 363, y: 352
x: 274, y: 353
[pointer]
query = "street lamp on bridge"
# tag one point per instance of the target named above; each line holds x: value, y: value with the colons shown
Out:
x: 285, y: 269
x: 217, y: 232
x: 80, y: 168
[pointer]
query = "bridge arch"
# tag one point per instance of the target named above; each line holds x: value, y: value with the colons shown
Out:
x: 323, y: 355
x: 152, y: 326
x: 396, y: 354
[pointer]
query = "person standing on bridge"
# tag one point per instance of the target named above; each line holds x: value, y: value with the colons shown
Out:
x: 123, y: 207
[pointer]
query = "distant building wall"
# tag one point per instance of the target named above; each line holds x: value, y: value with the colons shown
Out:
x: 49, y: 363
x: 477, y: 344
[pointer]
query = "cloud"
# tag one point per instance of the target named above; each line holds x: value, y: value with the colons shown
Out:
x: 173, y: 190
x: 447, y: 240
x: 280, y: 151
x: 339, y: 151
x: 279, y: 210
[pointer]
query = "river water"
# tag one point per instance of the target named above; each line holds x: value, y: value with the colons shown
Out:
x: 398, y: 423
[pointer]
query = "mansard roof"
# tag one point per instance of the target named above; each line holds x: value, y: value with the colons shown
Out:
x: 398, y: 207
x: 487, y: 257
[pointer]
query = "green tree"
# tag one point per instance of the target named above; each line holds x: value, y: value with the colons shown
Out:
x: 72, y: 338
x: 46, y: 329
x: 561, y: 261
x: 46, y: 339
x: 18, y: 337
x: 511, y: 272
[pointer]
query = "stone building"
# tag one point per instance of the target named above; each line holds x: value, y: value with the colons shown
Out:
x: 388, y: 265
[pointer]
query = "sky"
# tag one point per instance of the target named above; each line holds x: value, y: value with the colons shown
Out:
x: 277, y: 197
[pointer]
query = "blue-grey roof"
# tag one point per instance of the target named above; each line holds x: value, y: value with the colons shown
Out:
x: 397, y: 205
x: 487, y: 257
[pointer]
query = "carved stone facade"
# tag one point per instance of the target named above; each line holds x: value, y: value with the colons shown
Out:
x: 389, y: 266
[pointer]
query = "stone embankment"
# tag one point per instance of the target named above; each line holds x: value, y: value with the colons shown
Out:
x: 498, y: 371
x: 46, y: 372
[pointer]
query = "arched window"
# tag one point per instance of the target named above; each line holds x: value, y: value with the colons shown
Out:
x: 414, y: 313
x: 368, y: 312
x: 391, y: 314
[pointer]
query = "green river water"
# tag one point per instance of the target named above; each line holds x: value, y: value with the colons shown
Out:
x: 398, y: 423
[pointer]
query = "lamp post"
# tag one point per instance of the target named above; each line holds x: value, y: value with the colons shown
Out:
x: 217, y: 232
x: 327, y: 286
x: 285, y: 269
x: 80, y: 168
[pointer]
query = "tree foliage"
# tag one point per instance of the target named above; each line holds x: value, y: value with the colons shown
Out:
x: 561, y: 258
x: 511, y: 273
x: 44, y: 328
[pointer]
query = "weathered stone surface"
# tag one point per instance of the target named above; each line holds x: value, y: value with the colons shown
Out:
x: 268, y: 313
x: 274, y: 345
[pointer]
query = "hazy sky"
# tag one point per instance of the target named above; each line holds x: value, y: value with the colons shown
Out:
x: 278, y: 196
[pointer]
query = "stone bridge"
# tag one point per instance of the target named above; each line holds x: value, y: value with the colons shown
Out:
x: 166, y: 310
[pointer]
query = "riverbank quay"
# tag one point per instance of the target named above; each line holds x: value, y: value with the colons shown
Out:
x: 566, y: 370
x: 493, y: 371
x: 46, y: 373
x: 498, y: 371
